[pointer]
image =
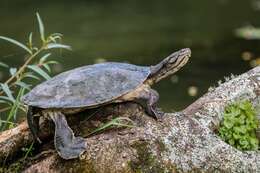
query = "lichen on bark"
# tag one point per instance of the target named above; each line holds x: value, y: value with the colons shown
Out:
x: 184, y: 141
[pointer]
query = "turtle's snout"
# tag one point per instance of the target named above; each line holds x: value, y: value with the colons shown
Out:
x: 179, y: 56
x: 185, y: 52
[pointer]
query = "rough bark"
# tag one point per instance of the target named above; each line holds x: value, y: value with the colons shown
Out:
x: 184, y: 141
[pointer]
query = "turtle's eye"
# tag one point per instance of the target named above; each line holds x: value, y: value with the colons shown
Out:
x: 173, y: 60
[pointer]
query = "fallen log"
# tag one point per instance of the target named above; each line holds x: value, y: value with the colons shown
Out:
x: 184, y: 141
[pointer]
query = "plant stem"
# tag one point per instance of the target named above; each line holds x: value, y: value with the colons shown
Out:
x: 24, y: 66
x: 21, y: 69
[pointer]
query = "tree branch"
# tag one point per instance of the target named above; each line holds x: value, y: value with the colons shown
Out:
x: 184, y: 141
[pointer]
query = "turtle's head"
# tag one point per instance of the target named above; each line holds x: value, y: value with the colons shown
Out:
x: 170, y: 64
x: 177, y: 60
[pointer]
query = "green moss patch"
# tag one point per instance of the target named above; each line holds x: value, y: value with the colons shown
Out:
x: 145, y: 161
x: 239, y: 126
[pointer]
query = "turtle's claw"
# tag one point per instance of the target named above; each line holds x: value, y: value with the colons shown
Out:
x: 158, y: 114
x: 71, y: 150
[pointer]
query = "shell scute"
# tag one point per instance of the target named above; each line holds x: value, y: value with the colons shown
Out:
x: 87, y: 86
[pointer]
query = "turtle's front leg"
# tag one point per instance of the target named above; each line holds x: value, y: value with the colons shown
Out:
x: 67, y: 145
x: 33, y: 122
x: 149, y: 99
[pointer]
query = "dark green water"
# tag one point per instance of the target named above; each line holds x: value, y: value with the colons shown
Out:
x: 141, y: 32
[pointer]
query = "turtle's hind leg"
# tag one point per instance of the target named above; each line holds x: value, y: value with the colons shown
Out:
x: 33, y: 122
x: 67, y: 145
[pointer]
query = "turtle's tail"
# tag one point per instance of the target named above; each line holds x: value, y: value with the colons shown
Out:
x: 33, y: 126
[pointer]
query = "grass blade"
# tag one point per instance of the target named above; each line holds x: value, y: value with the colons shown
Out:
x: 105, y: 126
x: 39, y: 71
x: 41, y: 27
x: 17, y: 43
x: 29, y: 150
x: 114, y: 122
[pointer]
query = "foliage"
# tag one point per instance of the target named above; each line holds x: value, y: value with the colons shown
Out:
x: 115, y: 122
x: 239, y: 126
x: 36, y: 67
x: 28, y: 151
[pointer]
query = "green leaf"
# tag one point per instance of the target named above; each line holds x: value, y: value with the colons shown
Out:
x: 56, y: 34
x: 228, y: 124
x: 3, y: 101
x: 57, y: 45
x: 19, y: 44
x: 243, y: 142
x: 253, y: 141
x: 52, y: 39
x: 56, y: 37
x: 3, y: 65
x: 30, y: 43
x: 23, y: 85
x: 235, y: 112
x: 30, y: 75
x: 41, y: 27
x: 13, y: 71
x: 13, y: 112
x: 6, y: 98
x: 39, y: 71
x: 240, y: 129
x: 241, y: 119
x: 7, y: 91
x: 44, y: 58
x: 35, y: 48
x: 236, y: 136
x: 52, y: 62
x: 245, y: 105
x: 46, y: 66
x: 239, y: 126
x: 231, y: 141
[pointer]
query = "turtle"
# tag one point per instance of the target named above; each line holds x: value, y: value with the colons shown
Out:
x: 93, y: 86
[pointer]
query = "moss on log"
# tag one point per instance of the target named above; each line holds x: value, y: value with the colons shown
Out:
x: 184, y: 141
